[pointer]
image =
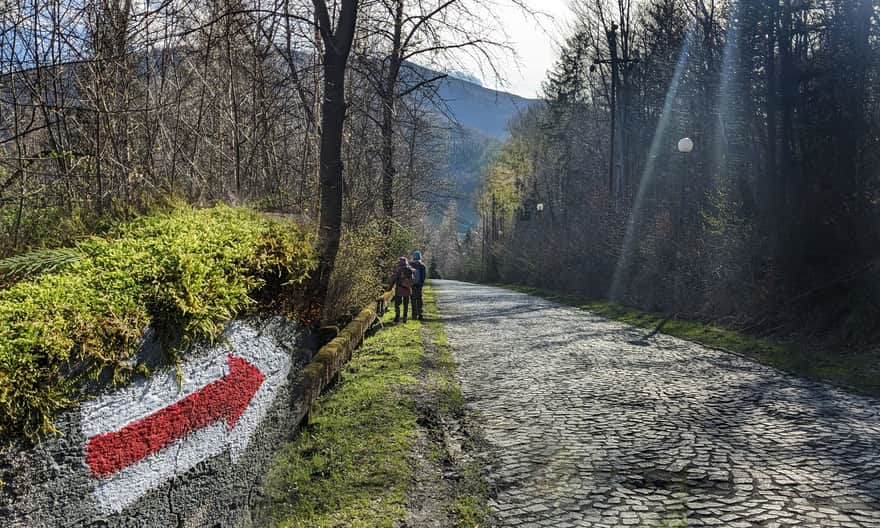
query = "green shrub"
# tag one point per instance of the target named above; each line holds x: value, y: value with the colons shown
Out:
x: 36, y: 262
x: 362, y: 268
x: 356, y: 279
x: 404, y: 240
x: 185, y: 272
x: 37, y: 226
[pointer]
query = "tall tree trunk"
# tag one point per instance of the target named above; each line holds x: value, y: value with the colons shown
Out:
x: 337, y: 46
x: 771, y: 176
x: 332, y: 123
x: 234, y: 107
x: 788, y: 86
x: 388, y: 168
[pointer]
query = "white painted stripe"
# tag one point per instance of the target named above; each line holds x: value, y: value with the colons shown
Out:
x: 128, y: 485
x: 114, y: 411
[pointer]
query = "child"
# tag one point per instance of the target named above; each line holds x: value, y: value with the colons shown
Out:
x: 402, y: 280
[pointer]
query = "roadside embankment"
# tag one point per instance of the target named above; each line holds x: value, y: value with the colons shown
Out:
x: 109, y: 424
x: 73, y: 324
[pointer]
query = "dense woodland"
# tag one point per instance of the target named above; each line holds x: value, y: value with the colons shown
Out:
x: 773, y: 214
x: 318, y: 110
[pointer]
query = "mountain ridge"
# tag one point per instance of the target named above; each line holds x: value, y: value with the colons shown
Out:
x: 480, y: 117
x: 480, y: 108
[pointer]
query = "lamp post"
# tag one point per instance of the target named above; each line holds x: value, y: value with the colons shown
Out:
x: 685, y: 147
x: 615, y: 62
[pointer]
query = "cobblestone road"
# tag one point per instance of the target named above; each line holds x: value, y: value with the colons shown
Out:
x: 592, y: 424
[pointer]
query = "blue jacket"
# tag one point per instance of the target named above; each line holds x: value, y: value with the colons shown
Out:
x: 423, y: 272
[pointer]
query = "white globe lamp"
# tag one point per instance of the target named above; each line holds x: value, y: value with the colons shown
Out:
x: 685, y: 145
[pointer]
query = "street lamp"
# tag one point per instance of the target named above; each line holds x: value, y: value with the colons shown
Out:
x: 685, y: 145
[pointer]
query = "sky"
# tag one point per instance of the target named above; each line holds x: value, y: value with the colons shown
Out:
x: 536, y: 46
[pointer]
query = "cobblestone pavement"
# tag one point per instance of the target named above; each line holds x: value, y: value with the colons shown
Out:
x: 593, y: 424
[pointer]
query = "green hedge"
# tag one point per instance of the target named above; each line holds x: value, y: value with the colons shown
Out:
x: 185, y: 272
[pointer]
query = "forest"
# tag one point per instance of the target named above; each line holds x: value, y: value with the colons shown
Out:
x: 770, y: 224
x: 325, y: 112
x: 667, y: 306
x: 330, y: 113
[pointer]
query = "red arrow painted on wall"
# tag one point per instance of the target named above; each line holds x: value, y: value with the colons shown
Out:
x: 226, y: 398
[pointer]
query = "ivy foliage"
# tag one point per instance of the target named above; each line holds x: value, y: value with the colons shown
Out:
x: 186, y: 273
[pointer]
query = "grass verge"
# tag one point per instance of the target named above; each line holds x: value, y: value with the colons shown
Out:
x: 857, y: 371
x: 470, y: 493
x: 352, y: 465
x: 349, y: 467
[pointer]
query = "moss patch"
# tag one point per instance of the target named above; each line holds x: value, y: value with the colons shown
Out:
x: 185, y: 272
x: 858, y: 371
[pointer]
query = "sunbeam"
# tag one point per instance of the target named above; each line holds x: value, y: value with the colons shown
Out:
x: 728, y: 75
x: 660, y: 140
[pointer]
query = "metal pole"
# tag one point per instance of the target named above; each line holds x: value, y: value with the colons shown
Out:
x: 612, y: 48
x: 492, y: 244
x: 682, y: 184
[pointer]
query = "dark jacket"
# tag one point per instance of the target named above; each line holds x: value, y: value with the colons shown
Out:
x: 423, y: 272
x: 402, y: 280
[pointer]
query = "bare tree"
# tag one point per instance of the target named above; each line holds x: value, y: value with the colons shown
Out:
x: 337, y: 37
x: 403, y: 37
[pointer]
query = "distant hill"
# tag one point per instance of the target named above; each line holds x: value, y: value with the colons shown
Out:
x: 480, y: 108
x: 482, y: 115
x: 471, y: 104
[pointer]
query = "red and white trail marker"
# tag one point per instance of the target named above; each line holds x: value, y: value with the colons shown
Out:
x: 143, y: 435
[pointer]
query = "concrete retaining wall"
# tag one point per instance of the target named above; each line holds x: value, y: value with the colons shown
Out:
x: 187, y: 448
x: 184, y: 448
x: 180, y: 449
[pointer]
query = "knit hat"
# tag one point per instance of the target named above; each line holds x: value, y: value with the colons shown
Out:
x: 417, y: 255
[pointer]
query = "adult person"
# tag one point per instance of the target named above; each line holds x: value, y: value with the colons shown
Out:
x: 419, y: 277
x: 402, y: 281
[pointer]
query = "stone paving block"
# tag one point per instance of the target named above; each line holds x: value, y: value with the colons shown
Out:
x: 580, y: 409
